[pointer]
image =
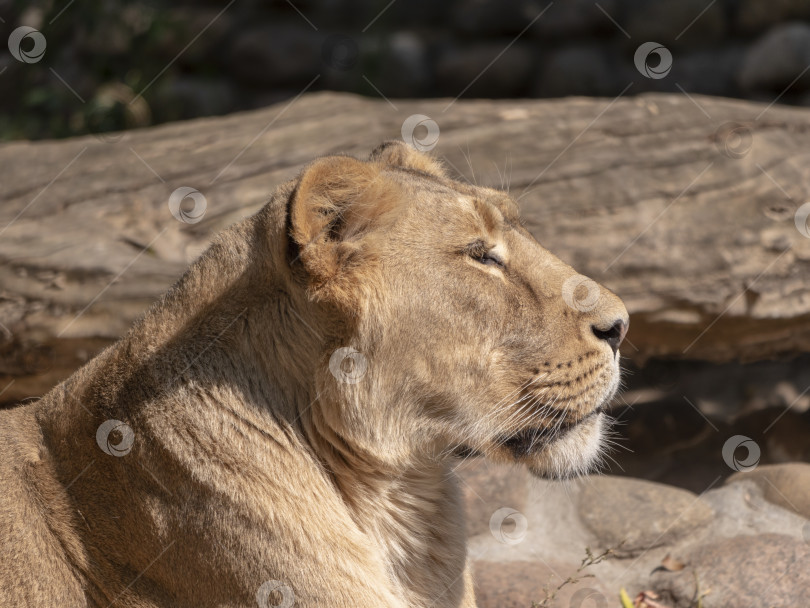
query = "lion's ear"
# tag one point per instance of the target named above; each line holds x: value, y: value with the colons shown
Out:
x: 337, y: 201
x: 400, y: 154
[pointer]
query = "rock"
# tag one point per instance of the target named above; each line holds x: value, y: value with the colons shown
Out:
x: 518, y: 584
x: 579, y: 70
x: 786, y: 485
x: 743, y: 572
x: 741, y: 509
x: 777, y: 59
x: 277, y: 55
x: 754, y: 16
x: 488, y: 487
x: 683, y: 229
x: 634, y: 516
x: 485, y: 70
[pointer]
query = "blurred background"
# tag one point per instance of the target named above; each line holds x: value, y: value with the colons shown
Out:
x: 181, y: 60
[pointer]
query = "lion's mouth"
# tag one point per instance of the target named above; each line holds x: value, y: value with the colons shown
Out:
x: 526, y: 442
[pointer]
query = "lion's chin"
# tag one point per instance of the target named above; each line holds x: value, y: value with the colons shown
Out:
x: 571, y: 453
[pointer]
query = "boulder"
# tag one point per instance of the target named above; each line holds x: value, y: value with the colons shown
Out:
x: 744, y: 572
x: 687, y: 208
x: 519, y: 584
x: 633, y: 516
x: 786, y: 485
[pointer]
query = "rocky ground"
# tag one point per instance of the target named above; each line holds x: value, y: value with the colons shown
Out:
x: 743, y: 543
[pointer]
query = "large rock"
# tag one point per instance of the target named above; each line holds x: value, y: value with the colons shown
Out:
x: 688, y: 218
x: 743, y: 572
x: 787, y: 485
x: 633, y: 516
x: 520, y: 584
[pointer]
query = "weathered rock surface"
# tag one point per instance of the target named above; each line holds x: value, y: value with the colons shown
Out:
x: 743, y: 549
x: 766, y: 570
x: 635, y: 516
x: 786, y: 485
x: 692, y: 224
x: 518, y: 584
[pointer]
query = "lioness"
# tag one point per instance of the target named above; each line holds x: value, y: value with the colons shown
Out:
x: 279, y: 429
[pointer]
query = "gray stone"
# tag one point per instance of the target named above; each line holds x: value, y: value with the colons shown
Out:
x: 741, y: 509
x: 777, y: 58
x: 519, y: 584
x: 768, y: 570
x: 786, y: 485
x: 634, y: 516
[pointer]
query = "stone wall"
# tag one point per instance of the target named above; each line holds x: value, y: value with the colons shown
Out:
x: 113, y: 65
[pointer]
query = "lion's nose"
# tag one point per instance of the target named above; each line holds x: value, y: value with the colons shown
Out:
x: 613, y: 335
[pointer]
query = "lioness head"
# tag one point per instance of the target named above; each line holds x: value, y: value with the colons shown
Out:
x: 447, y: 328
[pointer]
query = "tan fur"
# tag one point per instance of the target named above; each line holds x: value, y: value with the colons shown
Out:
x: 252, y: 462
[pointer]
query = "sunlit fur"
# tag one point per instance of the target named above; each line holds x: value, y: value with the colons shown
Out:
x: 253, y: 462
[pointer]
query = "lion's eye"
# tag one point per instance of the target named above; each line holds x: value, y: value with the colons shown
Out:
x: 489, y: 258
